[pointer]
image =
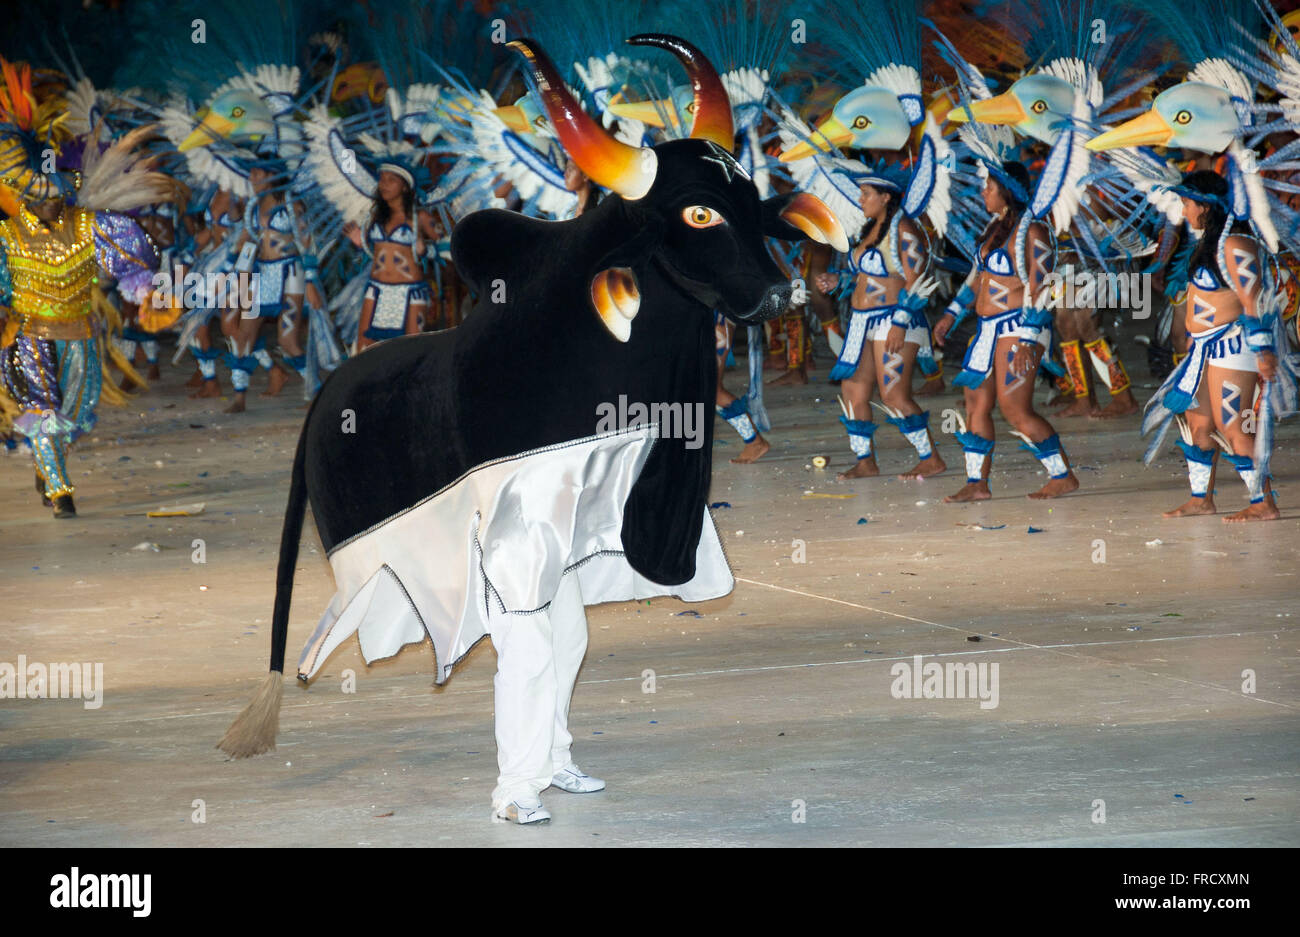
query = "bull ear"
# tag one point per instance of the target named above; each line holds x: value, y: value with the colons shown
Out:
x: 801, y: 215
x: 633, y: 239
x: 617, y: 300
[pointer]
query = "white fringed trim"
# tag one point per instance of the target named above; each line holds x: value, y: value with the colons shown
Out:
x: 1082, y: 76
x: 1256, y: 196
x: 349, y: 195
x: 900, y: 79
x: 1222, y: 74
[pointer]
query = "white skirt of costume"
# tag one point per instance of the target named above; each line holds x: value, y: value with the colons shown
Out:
x: 498, y: 541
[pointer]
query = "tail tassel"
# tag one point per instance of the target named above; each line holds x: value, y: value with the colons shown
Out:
x: 253, y: 731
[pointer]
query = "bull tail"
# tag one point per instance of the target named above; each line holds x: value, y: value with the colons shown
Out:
x: 253, y: 731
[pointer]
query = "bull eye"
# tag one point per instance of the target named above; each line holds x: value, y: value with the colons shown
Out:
x: 698, y: 216
x: 861, y: 123
x: 1038, y: 107
x: 1183, y: 117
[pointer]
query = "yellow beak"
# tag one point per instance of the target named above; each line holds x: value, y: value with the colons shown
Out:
x: 513, y: 117
x: 1003, y: 109
x: 829, y: 133
x: 811, y: 215
x: 1144, y: 130
x: 214, y: 127
x: 648, y: 112
x: 457, y: 108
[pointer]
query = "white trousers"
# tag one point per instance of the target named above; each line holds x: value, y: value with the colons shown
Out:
x: 538, y: 657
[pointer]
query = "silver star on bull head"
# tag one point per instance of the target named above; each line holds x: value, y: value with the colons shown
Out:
x: 726, y: 161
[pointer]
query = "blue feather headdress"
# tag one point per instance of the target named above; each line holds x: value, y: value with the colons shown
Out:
x: 866, y: 35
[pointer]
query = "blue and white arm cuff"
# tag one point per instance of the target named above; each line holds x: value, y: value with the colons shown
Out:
x: 1032, y: 323
x: 906, y: 308
x: 1259, y: 332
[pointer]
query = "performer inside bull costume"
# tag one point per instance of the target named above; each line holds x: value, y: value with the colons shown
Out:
x: 501, y: 509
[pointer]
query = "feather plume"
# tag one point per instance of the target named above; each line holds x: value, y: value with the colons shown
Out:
x: 122, y: 178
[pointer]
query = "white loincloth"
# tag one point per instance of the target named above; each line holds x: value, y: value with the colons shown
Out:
x: 498, y: 541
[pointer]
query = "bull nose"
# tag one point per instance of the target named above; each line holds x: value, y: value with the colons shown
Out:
x: 774, y: 302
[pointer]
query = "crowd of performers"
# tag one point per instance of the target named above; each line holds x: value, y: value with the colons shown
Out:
x: 276, y: 190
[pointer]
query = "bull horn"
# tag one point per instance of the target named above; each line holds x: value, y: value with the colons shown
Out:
x: 712, y: 105
x: 617, y: 300
x: 627, y: 170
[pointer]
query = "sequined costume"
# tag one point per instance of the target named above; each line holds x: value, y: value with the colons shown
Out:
x: 52, y: 358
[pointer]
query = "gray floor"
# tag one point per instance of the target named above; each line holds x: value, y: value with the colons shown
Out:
x: 1119, y: 682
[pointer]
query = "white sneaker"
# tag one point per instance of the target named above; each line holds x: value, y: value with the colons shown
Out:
x: 522, y: 811
x: 570, y: 778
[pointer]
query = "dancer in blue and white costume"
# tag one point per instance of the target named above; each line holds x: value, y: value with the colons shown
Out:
x: 1016, y: 255
x: 887, y: 330
x: 880, y: 44
x: 1232, y: 351
x: 1237, y: 343
x: 397, y: 295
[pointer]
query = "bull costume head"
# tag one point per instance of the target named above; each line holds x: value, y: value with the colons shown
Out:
x: 689, y: 201
x: 498, y: 419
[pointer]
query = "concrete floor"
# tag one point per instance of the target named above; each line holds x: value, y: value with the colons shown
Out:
x: 1119, y: 681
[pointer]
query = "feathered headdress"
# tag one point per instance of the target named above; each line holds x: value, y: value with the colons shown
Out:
x: 30, y: 136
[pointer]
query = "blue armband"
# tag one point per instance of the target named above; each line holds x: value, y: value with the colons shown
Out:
x: 906, y: 308
x: 1259, y: 332
x: 1032, y: 323
x: 959, y: 308
x: 960, y: 304
x: 844, y: 282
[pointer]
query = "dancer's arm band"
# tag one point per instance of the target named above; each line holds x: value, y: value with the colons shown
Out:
x: 1032, y: 323
x: 906, y: 309
x: 1259, y: 333
x: 960, y: 304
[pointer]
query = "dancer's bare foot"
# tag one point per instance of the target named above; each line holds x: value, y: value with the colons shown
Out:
x: 238, y: 405
x: 276, y: 381
x: 791, y: 377
x: 196, y: 379
x: 1061, y: 399
x: 971, y: 491
x: 1122, y: 404
x: 1195, y: 506
x: 754, y: 450
x: 1056, y: 487
x: 865, y: 468
x: 207, y: 389
x: 153, y: 373
x: 926, y: 467
x: 932, y: 387
x: 1266, y: 510
x: 1079, y: 406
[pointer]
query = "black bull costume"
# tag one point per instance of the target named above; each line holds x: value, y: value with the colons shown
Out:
x: 457, y: 479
